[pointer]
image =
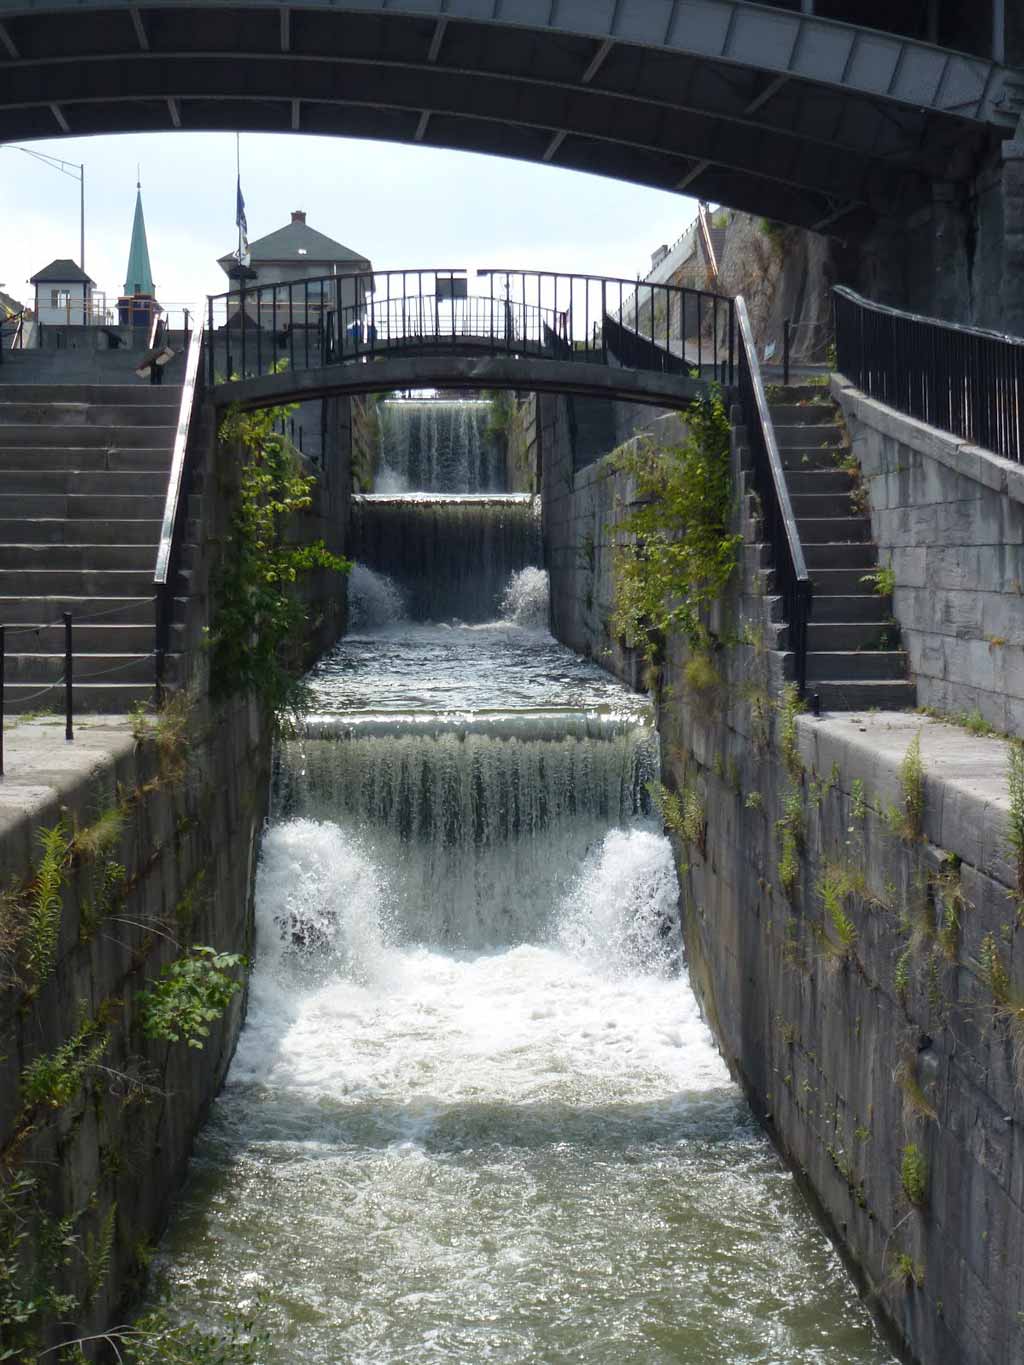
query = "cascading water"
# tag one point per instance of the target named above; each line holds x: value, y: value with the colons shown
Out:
x: 474, y: 1114
x: 451, y: 557
x: 437, y: 445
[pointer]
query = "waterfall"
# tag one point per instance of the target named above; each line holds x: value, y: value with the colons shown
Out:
x: 438, y: 446
x: 451, y: 557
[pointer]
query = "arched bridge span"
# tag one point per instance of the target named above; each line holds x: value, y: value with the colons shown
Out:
x: 809, y: 120
x: 415, y: 329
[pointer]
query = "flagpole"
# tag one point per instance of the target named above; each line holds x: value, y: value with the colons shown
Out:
x: 238, y: 183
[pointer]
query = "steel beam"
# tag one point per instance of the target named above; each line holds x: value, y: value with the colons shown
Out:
x: 8, y: 42
x: 140, y: 30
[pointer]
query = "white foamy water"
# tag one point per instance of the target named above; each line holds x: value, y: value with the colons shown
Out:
x: 475, y: 1115
x: 374, y: 600
x: 525, y: 600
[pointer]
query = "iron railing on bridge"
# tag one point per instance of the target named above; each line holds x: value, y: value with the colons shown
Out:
x: 964, y: 380
x: 256, y: 329
x: 779, y: 526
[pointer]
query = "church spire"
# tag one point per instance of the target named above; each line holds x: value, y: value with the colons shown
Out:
x: 140, y: 274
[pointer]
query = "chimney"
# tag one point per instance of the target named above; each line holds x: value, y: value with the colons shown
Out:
x: 298, y: 215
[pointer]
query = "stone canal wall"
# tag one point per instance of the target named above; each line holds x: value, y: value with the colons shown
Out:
x: 851, y: 929
x: 948, y: 518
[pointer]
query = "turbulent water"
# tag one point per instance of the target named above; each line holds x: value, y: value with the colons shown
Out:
x: 438, y: 446
x: 474, y: 1115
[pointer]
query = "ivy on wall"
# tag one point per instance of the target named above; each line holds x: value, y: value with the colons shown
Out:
x: 677, y: 551
x: 258, y: 620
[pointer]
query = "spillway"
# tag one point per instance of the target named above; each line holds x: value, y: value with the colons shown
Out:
x: 475, y: 1115
x: 438, y: 445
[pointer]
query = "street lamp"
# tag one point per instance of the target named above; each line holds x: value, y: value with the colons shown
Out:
x: 77, y: 172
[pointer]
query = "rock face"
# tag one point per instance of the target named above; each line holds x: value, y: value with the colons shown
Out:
x: 851, y: 930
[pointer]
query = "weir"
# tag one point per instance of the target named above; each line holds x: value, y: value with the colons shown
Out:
x: 450, y: 557
x: 439, y: 445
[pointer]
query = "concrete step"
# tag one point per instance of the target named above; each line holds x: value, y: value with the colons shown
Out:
x: 838, y: 636
x: 807, y: 458
x: 817, y: 482
x: 835, y: 530
x: 96, y: 531
x: 855, y: 695
x: 134, y: 436
x: 821, y: 504
x: 83, y: 505
x: 802, y: 414
x: 116, y: 483
x: 887, y: 665
x: 866, y: 606
x: 135, y: 395
x: 82, y: 457
x: 83, y: 414
x: 843, y: 583
x: 40, y: 669
x: 101, y: 638
x: 99, y: 698
x: 17, y: 610
x: 795, y: 393
x: 76, y: 583
x: 861, y: 555
x: 808, y: 436
x: 32, y: 557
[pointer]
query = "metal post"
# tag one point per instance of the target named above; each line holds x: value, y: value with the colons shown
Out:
x: 69, y: 729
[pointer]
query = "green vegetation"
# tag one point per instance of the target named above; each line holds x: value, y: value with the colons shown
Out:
x: 906, y: 1270
x: 1016, y: 784
x: 882, y: 580
x: 835, y: 886
x: 914, y: 1175
x: 189, y: 995
x: 790, y: 833
x: 907, y: 819
x: 916, y: 1104
x: 53, y: 1079
x: 45, y: 906
x: 858, y: 801
x: 258, y: 620
x: 681, y: 553
x: 789, y: 708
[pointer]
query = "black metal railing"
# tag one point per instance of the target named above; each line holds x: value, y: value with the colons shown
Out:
x: 778, y: 522
x: 964, y: 380
x: 175, y: 506
x: 254, y: 330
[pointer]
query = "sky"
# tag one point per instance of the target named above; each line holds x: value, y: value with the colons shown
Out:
x: 402, y: 206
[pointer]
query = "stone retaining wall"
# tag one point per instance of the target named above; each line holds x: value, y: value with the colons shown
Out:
x: 949, y: 519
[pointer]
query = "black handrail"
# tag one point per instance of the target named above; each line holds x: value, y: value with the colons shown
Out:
x: 777, y: 519
x: 176, y: 504
x: 337, y: 318
x: 965, y: 380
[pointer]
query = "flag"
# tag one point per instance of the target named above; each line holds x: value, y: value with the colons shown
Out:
x: 243, y: 227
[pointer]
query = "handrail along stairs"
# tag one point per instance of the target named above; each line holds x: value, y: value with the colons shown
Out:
x: 780, y: 528
x: 176, y: 503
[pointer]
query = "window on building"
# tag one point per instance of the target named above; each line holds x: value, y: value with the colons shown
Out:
x: 60, y: 298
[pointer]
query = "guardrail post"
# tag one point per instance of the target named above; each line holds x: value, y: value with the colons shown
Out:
x: 69, y: 728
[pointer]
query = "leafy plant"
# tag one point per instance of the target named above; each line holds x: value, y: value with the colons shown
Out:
x: 835, y: 885
x: 683, y: 813
x: 907, y: 819
x: 53, y: 1079
x: 681, y: 553
x: 258, y: 619
x: 1016, y: 785
x: 789, y: 708
x: 189, y: 995
x: 914, y: 1174
x: 45, y: 903
x: 882, y: 580
x: 789, y: 831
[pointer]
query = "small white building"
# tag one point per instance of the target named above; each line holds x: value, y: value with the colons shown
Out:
x: 63, y: 294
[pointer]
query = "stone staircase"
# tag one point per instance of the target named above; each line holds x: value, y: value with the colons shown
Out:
x: 83, y: 477
x: 854, y: 659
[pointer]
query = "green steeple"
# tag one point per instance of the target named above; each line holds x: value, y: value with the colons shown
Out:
x: 140, y: 274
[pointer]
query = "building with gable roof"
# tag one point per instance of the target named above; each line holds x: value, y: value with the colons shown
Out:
x: 138, y: 304
x: 63, y: 294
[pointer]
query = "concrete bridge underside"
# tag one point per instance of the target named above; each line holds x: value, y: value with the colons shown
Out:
x: 527, y: 374
x: 807, y: 120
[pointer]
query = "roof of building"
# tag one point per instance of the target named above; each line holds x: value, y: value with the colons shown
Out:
x: 297, y: 241
x: 139, y: 278
x: 9, y: 305
x: 61, y: 272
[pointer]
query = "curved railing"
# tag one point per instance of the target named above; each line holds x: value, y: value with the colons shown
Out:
x: 778, y: 522
x: 256, y: 328
x: 964, y: 380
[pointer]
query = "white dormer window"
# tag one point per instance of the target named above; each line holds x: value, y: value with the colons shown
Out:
x: 302, y: 251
